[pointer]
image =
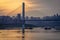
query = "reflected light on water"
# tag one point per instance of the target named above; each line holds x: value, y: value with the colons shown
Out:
x: 29, y: 35
x: 12, y: 35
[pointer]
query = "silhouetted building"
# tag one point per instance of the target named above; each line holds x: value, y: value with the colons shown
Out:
x: 27, y: 18
x: 18, y: 16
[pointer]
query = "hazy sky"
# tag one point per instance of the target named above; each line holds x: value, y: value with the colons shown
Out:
x: 33, y: 7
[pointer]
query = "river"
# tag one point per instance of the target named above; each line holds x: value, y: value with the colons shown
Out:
x: 34, y: 34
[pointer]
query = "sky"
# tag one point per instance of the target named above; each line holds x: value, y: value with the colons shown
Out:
x: 37, y: 8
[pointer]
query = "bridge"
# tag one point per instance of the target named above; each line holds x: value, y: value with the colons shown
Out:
x: 40, y: 22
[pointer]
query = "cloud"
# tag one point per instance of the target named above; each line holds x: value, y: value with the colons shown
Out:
x: 45, y: 7
x: 36, y: 7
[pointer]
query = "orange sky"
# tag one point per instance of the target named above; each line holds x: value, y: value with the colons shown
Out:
x: 10, y: 5
x: 37, y: 8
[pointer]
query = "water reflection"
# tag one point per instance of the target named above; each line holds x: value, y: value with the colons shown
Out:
x: 29, y: 35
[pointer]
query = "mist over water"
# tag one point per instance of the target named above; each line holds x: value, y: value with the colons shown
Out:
x: 34, y: 34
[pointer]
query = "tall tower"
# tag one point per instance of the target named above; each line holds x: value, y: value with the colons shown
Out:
x: 23, y: 11
x: 23, y: 19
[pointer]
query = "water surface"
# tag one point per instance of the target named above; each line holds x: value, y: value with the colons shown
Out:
x: 35, y: 34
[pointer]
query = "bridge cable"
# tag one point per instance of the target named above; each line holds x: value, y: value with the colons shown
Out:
x: 13, y: 10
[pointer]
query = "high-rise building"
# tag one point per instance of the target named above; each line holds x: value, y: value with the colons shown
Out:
x: 19, y: 16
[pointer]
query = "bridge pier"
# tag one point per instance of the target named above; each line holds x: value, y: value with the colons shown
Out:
x: 23, y: 20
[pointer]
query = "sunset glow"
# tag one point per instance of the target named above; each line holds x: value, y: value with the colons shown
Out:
x: 10, y: 5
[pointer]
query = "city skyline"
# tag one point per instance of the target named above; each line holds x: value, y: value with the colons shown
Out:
x: 38, y: 8
x: 16, y: 21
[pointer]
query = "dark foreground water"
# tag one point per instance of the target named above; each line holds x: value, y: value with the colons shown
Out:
x: 35, y: 34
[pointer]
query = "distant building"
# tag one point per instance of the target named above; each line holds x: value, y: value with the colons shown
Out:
x: 35, y: 18
x: 18, y: 16
x: 27, y: 18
